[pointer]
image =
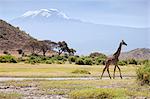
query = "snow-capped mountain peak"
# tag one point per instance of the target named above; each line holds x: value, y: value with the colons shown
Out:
x: 45, y: 13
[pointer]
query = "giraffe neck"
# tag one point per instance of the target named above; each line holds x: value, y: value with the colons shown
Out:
x: 117, y: 53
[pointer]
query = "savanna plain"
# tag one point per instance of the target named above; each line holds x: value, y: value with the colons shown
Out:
x: 95, y: 88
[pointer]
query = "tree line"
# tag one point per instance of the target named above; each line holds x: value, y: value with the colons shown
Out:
x: 36, y: 47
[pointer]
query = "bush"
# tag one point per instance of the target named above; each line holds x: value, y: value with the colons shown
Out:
x: 57, y: 57
x: 8, y: 59
x: 97, y: 54
x: 100, y: 61
x: 49, y: 62
x: 132, y: 61
x: 145, y: 61
x: 72, y: 59
x: 122, y: 63
x: 78, y: 71
x: 35, y: 59
x: 21, y: 59
x: 88, y: 61
x: 143, y: 74
x: 79, y: 61
x: 59, y: 62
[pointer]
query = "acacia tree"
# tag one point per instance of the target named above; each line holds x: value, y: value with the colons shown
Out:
x: 34, y: 46
x: 71, y: 51
x: 47, y: 45
x: 44, y: 47
x: 62, y: 47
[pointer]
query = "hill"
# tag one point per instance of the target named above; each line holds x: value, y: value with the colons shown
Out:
x: 139, y: 53
x: 12, y: 38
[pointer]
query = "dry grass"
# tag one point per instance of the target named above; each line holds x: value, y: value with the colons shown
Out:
x: 119, y: 89
x: 56, y: 70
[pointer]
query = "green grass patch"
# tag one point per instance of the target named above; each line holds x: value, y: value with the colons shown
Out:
x: 80, y: 71
x: 10, y: 95
x: 97, y: 93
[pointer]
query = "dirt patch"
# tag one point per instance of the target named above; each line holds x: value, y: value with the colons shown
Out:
x: 30, y: 92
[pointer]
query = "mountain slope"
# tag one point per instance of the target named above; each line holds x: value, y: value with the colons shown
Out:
x: 12, y: 38
x: 139, y: 53
x: 83, y: 36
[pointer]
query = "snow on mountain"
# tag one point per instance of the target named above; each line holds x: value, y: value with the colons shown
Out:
x: 45, y: 13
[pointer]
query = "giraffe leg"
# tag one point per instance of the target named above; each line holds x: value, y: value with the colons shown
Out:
x: 103, y: 72
x: 114, y: 72
x: 119, y: 71
x: 108, y: 73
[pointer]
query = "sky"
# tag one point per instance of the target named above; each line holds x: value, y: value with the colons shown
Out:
x: 127, y: 13
x: 130, y: 13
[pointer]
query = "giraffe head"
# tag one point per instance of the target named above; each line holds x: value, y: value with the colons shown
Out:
x: 123, y: 43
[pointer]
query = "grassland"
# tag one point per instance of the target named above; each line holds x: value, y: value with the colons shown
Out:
x: 78, y: 89
x: 57, y: 70
x: 72, y: 89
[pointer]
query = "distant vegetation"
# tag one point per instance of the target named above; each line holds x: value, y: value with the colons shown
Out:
x: 67, y: 59
x: 143, y: 74
x: 8, y: 59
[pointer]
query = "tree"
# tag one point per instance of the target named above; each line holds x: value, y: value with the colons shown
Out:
x: 71, y: 51
x: 34, y: 46
x: 52, y: 45
x: 97, y: 54
x: 62, y: 47
x: 44, y: 47
x: 47, y: 45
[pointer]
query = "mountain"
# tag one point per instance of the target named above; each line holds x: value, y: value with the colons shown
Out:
x: 85, y: 37
x: 45, y: 13
x: 139, y: 53
x: 44, y: 16
x: 12, y: 38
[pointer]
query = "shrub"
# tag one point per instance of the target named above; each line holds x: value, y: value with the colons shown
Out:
x: 8, y: 59
x: 34, y: 59
x: 122, y: 63
x: 79, y: 61
x: 58, y: 57
x: 100, y: 61
x: 59, y: 62
x: 145, y: 61
x: 132, y: 61
x: 88, y: 61
x: 72, y: 59
x: 49, y: 62
x: 143, y: 74
x: 79, y: 71
x: 97, y: 54
x: 21, y: 59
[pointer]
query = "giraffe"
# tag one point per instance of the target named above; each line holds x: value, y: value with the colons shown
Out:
x: 114, y: 60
